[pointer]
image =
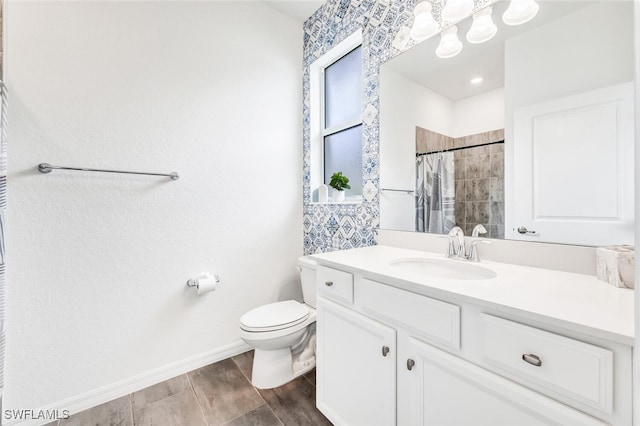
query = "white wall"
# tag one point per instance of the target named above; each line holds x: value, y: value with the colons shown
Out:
x: 98, y: 263
x: 478, y: 114
x: 568, y: 56
x: 405, y: 105
x: 636, y: 352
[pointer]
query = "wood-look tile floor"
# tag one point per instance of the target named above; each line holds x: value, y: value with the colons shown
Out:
x: 217, y: 394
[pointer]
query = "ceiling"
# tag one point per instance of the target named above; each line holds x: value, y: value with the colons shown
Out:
x: 451, y: 77
x: 299, y: 10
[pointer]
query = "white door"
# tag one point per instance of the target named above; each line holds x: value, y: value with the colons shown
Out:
x: 355, y: 370
x: 573, y: 169
x: 447, y: 390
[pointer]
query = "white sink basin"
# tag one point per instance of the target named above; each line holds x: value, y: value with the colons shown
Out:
x: 444, y: 268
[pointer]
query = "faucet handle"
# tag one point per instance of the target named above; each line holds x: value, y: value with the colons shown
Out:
x: 458, y: 233
x: 477, y: 230
x: 455, y: 231
x: 473, y: 253
x: 451, y: 249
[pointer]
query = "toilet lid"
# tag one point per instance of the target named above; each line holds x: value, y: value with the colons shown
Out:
x: 274, y: 316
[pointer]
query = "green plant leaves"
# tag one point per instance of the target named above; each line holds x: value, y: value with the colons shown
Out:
x: 339, y: 182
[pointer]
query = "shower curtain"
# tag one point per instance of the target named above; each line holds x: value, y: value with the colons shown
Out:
x: 435, y: 193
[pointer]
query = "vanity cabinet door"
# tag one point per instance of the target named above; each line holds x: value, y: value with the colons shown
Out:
x: 447, y: 390
x: 356, y: 367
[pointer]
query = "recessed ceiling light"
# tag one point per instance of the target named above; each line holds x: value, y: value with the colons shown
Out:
x: 476, y: 80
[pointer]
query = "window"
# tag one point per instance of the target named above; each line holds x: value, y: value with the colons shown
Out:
x: 342, y: 133
x: 336, y: 116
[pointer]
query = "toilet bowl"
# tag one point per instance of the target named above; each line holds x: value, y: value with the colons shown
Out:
x: 283, y: 334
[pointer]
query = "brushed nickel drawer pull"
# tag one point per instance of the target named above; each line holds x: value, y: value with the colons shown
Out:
x: 524, y: 230
x: 532, y: 359
x: 410, y: 364
x: 385, y: 350
x: 328, y: 283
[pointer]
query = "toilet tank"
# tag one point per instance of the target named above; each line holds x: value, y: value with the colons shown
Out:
x: 307, y: 268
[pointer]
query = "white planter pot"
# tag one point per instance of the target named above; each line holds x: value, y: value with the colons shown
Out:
x: 338, y: 196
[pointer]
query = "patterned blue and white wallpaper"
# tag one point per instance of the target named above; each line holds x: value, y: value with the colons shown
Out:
x: 385, y: 28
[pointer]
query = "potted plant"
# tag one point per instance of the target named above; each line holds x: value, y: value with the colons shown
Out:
x: 339, y: 183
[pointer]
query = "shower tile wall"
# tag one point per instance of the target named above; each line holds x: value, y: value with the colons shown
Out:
x: 479, y: 177
x: 385, y: 28
x: 428, y: 141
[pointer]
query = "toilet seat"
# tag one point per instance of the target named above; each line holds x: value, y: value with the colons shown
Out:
x: 275, y: 316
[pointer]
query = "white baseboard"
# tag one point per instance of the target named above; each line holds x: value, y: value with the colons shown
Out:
x: 98, y: 396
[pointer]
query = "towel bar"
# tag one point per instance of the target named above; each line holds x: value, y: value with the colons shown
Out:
x: 47, y: 168
x: 408, y: 191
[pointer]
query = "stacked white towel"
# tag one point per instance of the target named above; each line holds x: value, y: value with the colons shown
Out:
x: 616, y: 265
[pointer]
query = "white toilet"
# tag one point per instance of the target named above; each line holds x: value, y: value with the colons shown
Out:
x: 283, y: 334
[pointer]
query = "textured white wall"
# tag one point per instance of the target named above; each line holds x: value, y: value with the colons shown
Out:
x: 98, y: 263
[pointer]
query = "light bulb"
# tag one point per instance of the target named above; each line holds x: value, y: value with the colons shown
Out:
x: 520, y: 11
x: 424, y: 26
x: 449, y: 45
x: 455, y: 10
x: 482, y: 29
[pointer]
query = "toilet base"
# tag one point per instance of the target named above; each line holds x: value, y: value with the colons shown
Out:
x: 273, y: 368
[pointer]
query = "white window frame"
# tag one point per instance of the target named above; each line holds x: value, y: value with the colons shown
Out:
x: 316, y: 107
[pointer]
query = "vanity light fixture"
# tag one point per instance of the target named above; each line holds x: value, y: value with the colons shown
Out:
x: 455, y: 10
x: 482, y: 29
x: 520, y: 11
x: 449, y: 45
x: 424, y: 26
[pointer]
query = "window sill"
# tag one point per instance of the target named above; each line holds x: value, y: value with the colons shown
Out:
x: 359, y: 201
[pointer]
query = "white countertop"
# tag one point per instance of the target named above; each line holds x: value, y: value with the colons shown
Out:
x: 578, y: 302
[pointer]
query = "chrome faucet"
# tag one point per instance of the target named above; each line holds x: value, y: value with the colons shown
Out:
x: 456, y: 247
x: 457, y: 234
x: 473, y: 252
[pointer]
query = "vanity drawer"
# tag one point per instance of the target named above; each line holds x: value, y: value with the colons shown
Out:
x: 435, y: 321
x: 334, y: 284
x: 579, y: 370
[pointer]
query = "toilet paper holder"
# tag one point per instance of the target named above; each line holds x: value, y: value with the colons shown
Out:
x: 195, y: 282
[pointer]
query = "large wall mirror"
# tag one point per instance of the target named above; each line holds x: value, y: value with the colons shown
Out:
x: 529, y: 134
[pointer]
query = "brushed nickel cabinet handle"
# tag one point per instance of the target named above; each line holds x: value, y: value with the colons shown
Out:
x: 385, y: 350
x: 410, y: 364
x: 532, y: 359
x: 328, y: 283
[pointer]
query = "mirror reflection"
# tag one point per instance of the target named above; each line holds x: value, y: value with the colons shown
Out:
x: 525, y: 130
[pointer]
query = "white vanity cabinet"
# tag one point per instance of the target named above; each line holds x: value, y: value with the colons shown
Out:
x: 389, y: 356
x: 447, y: 390
x: 357, y: 385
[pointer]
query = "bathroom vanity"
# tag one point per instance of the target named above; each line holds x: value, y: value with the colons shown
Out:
x: 410, y: 338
